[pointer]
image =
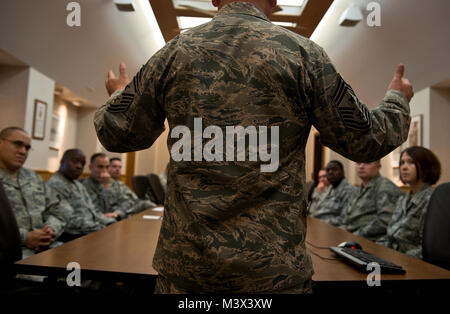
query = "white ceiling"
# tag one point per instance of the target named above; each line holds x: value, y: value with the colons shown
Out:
x: 415, y: 32
x: 79, y: 58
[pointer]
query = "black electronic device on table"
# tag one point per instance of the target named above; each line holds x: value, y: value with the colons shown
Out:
x: 360, y: 259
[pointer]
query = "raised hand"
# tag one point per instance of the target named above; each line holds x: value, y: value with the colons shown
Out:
x: 402, y: 84
x: 114, y: 83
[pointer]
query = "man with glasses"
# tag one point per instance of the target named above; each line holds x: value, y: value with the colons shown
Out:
x: 35, y: 206
x: 369, y: 213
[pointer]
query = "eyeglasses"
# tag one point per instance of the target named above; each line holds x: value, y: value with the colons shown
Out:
x: 19, y: 144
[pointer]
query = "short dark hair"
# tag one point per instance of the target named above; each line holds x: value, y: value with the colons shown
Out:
x: 428, y: 166
x: 68, y: 153
x: 96, y: 155
x: 9, y: 130
x: 114, y: 159
x: 337, y: 162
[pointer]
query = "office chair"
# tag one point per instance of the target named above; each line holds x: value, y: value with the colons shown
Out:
x: 10, y: 243
x: 157, y: 188
x: 436, y: 233
x: 141, y: 185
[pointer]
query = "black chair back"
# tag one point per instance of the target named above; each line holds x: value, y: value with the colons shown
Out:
x: 141, y: 184
x: 436, y: 233
x: 157, y: 188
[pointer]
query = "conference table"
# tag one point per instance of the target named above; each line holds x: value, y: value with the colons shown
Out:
x: 124, y: 251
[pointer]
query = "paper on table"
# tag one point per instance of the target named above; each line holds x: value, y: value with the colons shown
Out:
x: 151, y: 217
x: 158, y: 209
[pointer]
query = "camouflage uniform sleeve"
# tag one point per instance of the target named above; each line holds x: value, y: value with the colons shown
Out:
x: 23, y: 235
x: 137, y: 205
x: 122, y: 205
x: 348, y: 194
x: 75, y: 223
x: 385, y: 203
x: 141, y: 205
x: 387, y: 240
x: 384, y: 241
x: 53, y: 216
x: 133, y: 119
x: 345, y: 124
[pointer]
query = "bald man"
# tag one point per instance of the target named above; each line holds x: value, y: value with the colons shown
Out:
x: 370, y: 212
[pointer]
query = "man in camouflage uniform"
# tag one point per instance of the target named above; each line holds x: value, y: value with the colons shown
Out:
x: 337, y: 194
x: 228, y: 227
x: 115, y: 167
x: 36, y: 207
x: 107, y: 194
x: 369, y: 213
x: 80, y: 213
x: 319, y: 191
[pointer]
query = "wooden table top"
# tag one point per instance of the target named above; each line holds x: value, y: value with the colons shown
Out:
x: 321, y: 234
x: 127, y: 248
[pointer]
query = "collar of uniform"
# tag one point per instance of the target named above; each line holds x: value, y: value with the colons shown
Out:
x: 340, y: 186
x: 415, y: 198
x: 63, y: 178
x: 371, y: 182
x: 8, y: 179
x: 242, y: 8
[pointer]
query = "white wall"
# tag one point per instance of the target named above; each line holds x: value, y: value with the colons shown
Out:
x: 86, y: 136
x: 309, y: 156
x: 69, y: 122
x: 13, y: 95
x: 420, y: 105
x: 39, y: 87
x: 440, y: 129
x: 154, y: 159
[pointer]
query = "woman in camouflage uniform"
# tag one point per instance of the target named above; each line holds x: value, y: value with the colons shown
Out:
x: 419, y: 168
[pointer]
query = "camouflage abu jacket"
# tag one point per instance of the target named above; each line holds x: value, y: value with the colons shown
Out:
x: 78, y: 210
x: 405, y: 230
x: 369, y: 213
x: 34, y: 205
x: 228, y: 226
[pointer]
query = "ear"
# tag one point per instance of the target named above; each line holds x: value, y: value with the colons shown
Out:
x: 91, y: 166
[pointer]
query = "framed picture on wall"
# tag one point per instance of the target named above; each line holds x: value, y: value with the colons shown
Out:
x: 39, y: 119
x: 55, y: 132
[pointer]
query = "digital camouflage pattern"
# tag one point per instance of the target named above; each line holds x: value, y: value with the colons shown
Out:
x: 81, y: 215
x: 34, y: 205
x: 139, y: 205
x: 405, y: 230
x: 370, y: 211
x: 316, y: 198
x: 228, y: 227
x: 333, y: 202
x: 118, y: 198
